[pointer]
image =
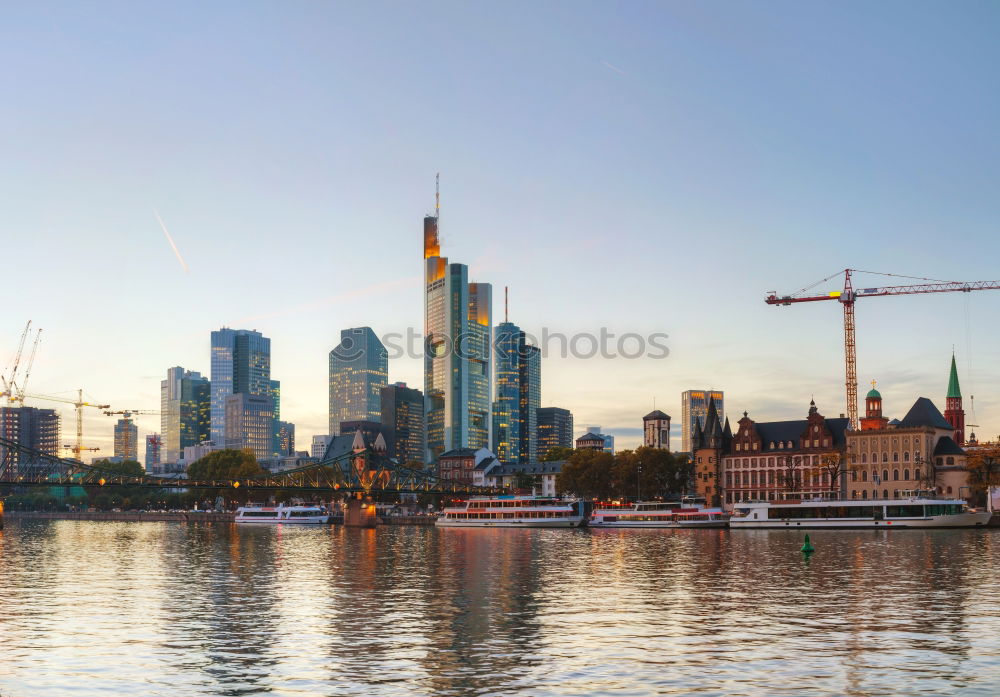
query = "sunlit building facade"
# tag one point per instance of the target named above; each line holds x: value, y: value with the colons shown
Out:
x: 694, y: 409
x: 127, y: 440
x: 250, y: 424
x: 185, y: 412
x: 29, y: 427
x: 457, y: 352
x: 359, y: 369
x: 518, y: 394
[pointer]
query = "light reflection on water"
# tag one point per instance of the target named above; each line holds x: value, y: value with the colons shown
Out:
x: 167, y: 609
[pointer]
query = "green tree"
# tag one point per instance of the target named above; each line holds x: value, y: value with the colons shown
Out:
x: 587, y: 473
x: 223, y: 465
x: 125, y: 468
x: 558, y: 453
x: 651, y: 473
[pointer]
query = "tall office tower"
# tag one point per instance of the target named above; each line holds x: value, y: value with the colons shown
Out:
x: 186, y: 412
x: 555, y: 429
x: 127, y: 440
x: 29, y: 427
x: 694, y: 409
x: 457, y: 348
x: 154, y: 447
x: 359, y: 369
x: 530, y: 399
x: 250, y: 424
x: 507, y: 405
x: 276, y: 435
x: 241, y: 363
x: 403, y: 422
x: 286, y: 439
x: 518, y: 393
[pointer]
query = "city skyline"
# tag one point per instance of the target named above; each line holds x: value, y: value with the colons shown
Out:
x: 635, y: 219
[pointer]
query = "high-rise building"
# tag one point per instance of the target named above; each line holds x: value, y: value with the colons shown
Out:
x: 694, y: 409
x: 403, y: 422
x: 518, y: 394
x: 186, y: 412
x: 555, y: 429
x: 277, y: 437
x: 154, y: 447
x: 127, y: 440
x: 656, y: 430
x: 359, y: 369
x: 286, y: 439
x: 319, y: 446
x: 457, y: 348
x: 250, y: 423
x: 29, y: 427
x: 241, y: 363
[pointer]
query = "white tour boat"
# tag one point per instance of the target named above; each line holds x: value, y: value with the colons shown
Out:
x: 287, y: 515
x: 514, y: 512
x: 915, y: 512
x: 657, y: 514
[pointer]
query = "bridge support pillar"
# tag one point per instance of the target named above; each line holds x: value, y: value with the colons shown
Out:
x: 360, y: 514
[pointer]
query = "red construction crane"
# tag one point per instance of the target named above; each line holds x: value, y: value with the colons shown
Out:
x: 849, y: 295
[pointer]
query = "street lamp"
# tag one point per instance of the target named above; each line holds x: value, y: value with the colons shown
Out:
x: 638, y: 484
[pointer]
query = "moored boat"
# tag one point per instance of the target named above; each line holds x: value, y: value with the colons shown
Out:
x: 514, y: 512
x: 286, y: 515
x: 915, y: 512
x: 657, y: 514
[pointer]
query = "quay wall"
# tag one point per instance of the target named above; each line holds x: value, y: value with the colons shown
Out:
x: 182, y: 517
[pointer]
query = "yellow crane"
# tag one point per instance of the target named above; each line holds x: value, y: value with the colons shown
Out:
x: 79, y: 404
x: 127, y: 414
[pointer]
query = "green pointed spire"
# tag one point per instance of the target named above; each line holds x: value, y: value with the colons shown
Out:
x: 953, y: 389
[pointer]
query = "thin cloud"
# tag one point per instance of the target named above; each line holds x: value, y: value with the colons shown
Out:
x: 613, y: 67
x: 166, y: 233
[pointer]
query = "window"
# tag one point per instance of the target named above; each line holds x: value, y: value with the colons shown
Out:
x: 895, y: 457
x: 885, y: 493
x: 916, y: 473
x: 885, y: 457
x: 864, y: 494
x: 864, y: 458
x: 771, y: 445
x: 885, y: 475
x: 854, y: 476
x: 864, y: 476
x: 951, y: 461
x: 895, y: 475
x: 906, y: 475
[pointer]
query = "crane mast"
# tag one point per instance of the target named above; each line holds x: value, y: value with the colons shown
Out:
x: 849, y: 295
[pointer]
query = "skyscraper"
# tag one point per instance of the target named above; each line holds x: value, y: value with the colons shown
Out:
x: 241, y: 363
x: 518, y: 393
x: 286, y: 439
x: 403, y: 422
x: 457, y: 348
x: 694, y: 408
x: 186, y: 408
x: 555, y: 429
x: 250, y: 424
x: 127, y: 440
x: 30, y: 427
x: 359, y: 369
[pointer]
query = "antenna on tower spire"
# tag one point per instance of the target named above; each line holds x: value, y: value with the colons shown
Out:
x: 437, y: 195
x: 505, y: 307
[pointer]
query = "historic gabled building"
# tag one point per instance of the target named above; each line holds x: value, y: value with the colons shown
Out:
x: 708, y: 444
x: 783, y: 459
x: 893, y: 459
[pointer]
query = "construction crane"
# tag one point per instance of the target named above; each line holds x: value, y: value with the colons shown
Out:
x: 79, y: 404
x: 8, y: 380
x: 847, y: 298
x: 127, y: 414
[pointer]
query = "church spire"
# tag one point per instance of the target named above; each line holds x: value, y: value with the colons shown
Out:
x: 953, y: 389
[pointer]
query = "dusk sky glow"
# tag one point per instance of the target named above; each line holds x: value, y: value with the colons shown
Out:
x: 649, y: 167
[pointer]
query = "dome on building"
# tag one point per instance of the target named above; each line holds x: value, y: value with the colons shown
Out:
x: 873, y: 393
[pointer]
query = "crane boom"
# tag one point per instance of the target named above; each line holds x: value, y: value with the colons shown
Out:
x: 847, y: 298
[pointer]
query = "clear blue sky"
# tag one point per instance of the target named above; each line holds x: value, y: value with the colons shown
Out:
x: 647, y: 167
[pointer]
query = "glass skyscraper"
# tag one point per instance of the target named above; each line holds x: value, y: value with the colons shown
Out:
x: 127, y: 440
x: 241, y: 363
x: 185, y: 407
x: 359, y: 369
x: 518, y: 395
x: 555, y: 429
x: 403, y: 422
x: 457, y: 352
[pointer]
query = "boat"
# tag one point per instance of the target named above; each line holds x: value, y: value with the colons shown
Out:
x: 514, y: 512
x: 657, y: 514
x: 918, y: 511
x: 286, y: 515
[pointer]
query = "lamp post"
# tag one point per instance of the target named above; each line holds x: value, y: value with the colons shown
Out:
x: 638, y: 483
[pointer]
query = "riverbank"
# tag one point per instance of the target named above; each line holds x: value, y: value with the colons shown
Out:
x: 183, y: 517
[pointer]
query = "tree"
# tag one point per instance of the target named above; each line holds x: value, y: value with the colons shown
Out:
x: 984, y: 470
x: 791, y: 477
x: 587, y: 473
x: 558, y: 453
x: 125, y: 468
x: 222, y: 465
x: 830, y: 465
x: 650, y: 473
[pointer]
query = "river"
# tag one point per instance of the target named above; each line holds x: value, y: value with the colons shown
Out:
x: 115, y: 608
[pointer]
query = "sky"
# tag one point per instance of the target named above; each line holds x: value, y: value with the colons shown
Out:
x: 642, y: 167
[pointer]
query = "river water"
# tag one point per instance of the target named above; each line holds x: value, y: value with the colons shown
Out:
x: 106, y: 608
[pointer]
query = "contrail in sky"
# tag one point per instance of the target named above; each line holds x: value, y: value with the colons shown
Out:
x: 171, y: 241
x: 613, y: 67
